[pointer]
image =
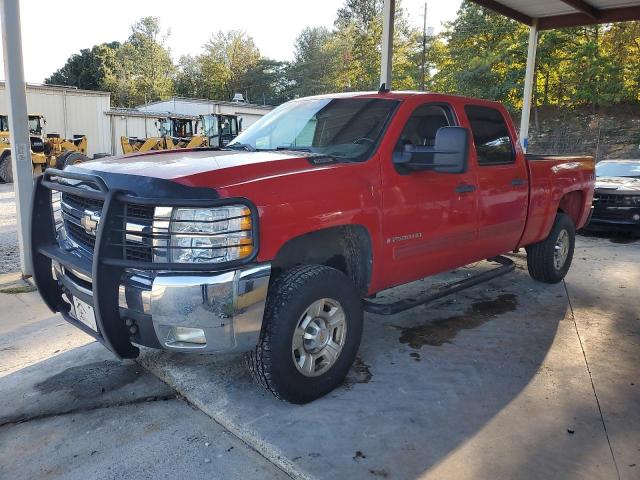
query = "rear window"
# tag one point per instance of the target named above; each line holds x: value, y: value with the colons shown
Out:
x: 490, y: 135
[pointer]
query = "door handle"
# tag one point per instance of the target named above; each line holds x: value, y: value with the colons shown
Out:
x: 465, y: 188
x: 518, y: 182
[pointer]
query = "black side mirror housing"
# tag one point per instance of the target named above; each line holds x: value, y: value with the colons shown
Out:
x: 450, y: 154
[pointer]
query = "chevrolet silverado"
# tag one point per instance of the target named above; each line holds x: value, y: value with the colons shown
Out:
x: 276, y: 244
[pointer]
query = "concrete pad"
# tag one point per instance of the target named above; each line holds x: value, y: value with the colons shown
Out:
x: 29, y: 332
x: 69, y: 409
x: 486, y: 384
x: 606, y: 304
x: 165, y: 439
x: 84, y: 378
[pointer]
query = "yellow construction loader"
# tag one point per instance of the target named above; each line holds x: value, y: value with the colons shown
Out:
x: 175, y: 133
x: 46, y: 150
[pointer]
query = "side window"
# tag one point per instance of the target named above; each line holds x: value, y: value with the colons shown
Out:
x: 420, y: 130
x: 490, y: 135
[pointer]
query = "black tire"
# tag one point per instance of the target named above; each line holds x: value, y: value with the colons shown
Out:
x: 73, y: 158
x: 61, y: 158
x: 6, y: 169
x: 272, y: 362
x: 100, y: 155
x: 541, y: 260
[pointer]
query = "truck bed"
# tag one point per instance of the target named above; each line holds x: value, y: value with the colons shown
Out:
x: 557, y: 182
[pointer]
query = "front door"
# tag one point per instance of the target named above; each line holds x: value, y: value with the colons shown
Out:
x: 429, y: 218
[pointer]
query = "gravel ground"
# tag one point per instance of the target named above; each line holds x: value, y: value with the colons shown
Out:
x: 9, y: 255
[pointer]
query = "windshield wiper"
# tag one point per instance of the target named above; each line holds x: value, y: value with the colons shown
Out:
x: 240, y: 146
x: 294, y: 149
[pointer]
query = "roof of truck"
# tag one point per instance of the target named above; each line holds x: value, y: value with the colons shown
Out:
x: 395, y: 94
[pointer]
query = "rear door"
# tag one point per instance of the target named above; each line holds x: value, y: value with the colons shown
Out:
x: 502, y: 180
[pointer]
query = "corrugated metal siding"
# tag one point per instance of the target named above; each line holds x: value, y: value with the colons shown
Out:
x: 130, y: 126
x: 70, y: 112
x: 249, y: 113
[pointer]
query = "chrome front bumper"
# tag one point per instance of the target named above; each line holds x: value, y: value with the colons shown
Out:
x: 227, y: 306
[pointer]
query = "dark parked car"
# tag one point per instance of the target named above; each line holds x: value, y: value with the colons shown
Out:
x: 616, y: 202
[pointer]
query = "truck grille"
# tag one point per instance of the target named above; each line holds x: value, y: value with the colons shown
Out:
x: 75, y: 207
x: 609, y: 200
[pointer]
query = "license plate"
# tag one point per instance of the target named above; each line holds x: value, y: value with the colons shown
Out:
x: 84, y: 313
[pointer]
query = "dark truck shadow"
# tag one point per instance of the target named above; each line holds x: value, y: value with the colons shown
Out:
x: 425, y: 382
x: 614, y: 237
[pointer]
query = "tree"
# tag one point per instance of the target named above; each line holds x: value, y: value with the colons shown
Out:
x: 147, y: 67
x: 226, y: 61
x: 88, y: 69
x: 313, y: 69
x: 484, y: 56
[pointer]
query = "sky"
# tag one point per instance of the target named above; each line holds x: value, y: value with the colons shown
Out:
x: 53, y: 31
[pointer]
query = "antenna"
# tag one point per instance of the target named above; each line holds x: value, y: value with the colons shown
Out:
x: 383, y: 88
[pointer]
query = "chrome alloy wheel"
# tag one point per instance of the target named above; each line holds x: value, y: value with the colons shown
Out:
x: 319, y: 337
x: 561, y: 250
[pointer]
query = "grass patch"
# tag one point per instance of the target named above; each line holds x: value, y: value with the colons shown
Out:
x: 18, y: 288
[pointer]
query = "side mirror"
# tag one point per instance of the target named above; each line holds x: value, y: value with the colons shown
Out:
x: 449, y: 155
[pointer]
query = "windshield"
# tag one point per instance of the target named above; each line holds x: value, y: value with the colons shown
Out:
x: 618, y: 169
x: 347, y: 128
x: 34, y: 125
x: 4, y: 123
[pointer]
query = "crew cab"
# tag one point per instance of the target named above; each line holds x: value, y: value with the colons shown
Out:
x: 276, y: 244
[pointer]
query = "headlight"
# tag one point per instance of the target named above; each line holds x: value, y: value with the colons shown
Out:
x: 210, y: 235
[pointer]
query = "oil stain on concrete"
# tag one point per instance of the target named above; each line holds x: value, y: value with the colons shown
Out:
x: 89, y: 380
x: 444, y: 330
x: 360, y: 373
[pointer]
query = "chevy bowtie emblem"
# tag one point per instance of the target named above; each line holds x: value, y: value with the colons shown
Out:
x: 90, y: 221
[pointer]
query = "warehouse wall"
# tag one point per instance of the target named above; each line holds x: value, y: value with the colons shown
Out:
x: 132, y: 126
x: 249, y: 113
x: 70, y: 112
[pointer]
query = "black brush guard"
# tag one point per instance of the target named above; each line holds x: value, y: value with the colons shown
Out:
x: 108, y: 263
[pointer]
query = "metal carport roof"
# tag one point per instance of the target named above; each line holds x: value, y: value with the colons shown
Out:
x: 549, y: 14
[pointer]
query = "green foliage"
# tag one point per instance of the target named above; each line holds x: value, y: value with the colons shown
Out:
x: 88, y: 69
x: 479, y: 54
x: 483, y: 54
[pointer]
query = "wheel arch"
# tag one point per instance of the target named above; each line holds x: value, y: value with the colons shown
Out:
x: 347, y: 248
x: 572, y: 204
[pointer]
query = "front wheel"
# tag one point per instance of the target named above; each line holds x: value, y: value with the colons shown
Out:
x: 310, y: 335
x: 549, y: 260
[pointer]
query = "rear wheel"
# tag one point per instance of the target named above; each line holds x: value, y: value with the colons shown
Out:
x: 6, y: 169
x: 549, y: 260
x: 310, y: 334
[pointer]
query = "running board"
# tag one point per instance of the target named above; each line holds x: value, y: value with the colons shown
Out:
x: 506, y: 266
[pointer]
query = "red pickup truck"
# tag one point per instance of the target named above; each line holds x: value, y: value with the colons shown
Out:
x: 275, y: 244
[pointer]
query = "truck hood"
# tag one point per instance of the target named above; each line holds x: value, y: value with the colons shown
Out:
x: 618, y: 183
x: 174, y: 165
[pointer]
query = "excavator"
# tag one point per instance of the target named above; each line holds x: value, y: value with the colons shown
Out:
x: 47, y: 150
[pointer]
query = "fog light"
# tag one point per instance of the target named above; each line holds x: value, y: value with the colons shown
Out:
x: 188, y: 335
x: 636, y: 217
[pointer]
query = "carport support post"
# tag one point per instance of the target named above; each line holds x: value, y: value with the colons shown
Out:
x: 388, y: 13
x: 18, y: 125
x: 528, y: 85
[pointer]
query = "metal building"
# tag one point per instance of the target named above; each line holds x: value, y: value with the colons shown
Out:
x: 69, y: 111
x: 248, y: 112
